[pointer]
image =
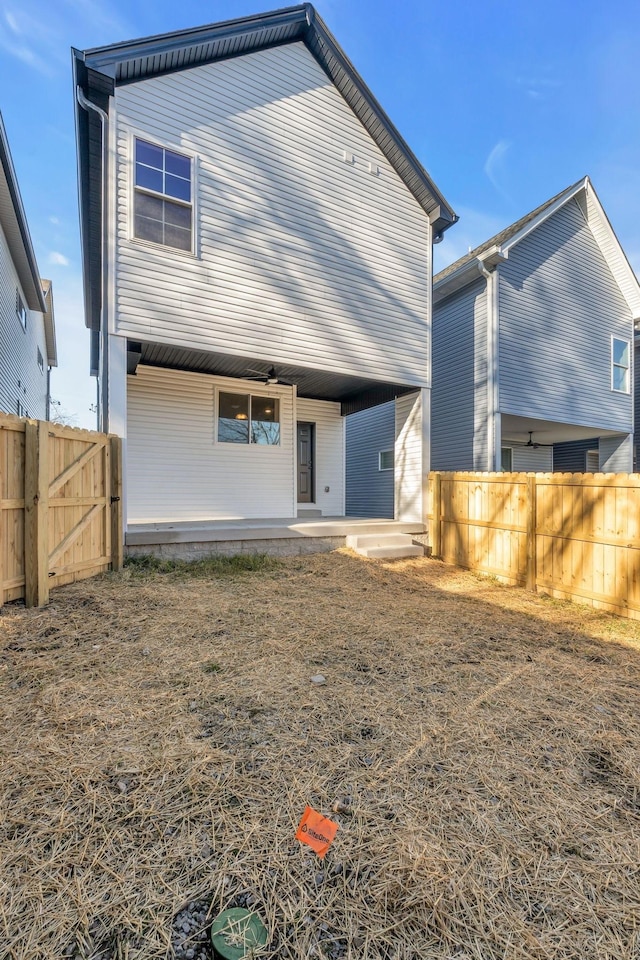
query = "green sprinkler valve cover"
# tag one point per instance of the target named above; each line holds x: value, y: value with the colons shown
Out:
x: 238, y: 934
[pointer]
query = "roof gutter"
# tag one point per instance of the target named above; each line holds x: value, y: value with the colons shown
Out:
x: 101, y: 367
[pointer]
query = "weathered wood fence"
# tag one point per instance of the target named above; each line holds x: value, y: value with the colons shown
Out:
x: 575, y: 536
x: 60, y: 508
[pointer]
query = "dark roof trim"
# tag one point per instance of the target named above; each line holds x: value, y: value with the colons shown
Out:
x: 106, y: 59
x: 22, y: 252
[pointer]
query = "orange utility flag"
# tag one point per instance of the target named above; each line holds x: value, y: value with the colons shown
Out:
x: 316, y: 830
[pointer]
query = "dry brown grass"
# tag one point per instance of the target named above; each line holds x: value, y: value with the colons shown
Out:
x: 160, y: 738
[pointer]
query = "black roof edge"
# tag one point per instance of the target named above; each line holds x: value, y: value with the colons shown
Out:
x: 446, y: 218
x: 101, y: 57
x: 16, y: 199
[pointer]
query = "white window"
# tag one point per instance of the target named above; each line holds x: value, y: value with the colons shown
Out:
x: 592, y: 461
x: 40, y: 360
x: 506, y: 459
x: 21, y: 310
x: 385, y: 460
x: 20, y: 410
x: 620, y: 353
x: 244, y: 418
x: 162, y: 203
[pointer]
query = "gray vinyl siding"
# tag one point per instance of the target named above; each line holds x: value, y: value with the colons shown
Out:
x: 559, y: 307
x: 571, y: 457
x: 459, y: 381
x: 300, y: 257
x: 616, y: 454
x: 20, y: 376
x: 369, y: 489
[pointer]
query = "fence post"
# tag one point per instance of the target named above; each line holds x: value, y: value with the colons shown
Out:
x: 36, y: 513
x: 435, y: 532
x: 117, y: 547
x: 531, y: 574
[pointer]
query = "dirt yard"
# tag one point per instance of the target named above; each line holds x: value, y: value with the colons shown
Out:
x: 160, y: 737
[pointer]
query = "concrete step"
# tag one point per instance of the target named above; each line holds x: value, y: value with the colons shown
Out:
x: 391, y: 545
x: 360, y: 540
x: 392, y: 553
x: 308, y: 512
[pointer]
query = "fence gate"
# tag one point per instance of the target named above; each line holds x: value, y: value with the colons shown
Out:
x: 67, y: 524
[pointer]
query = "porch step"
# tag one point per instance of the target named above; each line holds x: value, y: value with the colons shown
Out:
x: 308, y: 512
x: 391, y: 545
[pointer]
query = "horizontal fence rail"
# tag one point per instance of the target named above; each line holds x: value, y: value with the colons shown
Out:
x: 575, y: 536
x: 60, y: 508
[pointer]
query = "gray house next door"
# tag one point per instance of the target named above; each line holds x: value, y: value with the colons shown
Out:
x: 306, y: 493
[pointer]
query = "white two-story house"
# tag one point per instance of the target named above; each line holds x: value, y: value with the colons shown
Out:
x: 257, y: 245
x: 27, y: 330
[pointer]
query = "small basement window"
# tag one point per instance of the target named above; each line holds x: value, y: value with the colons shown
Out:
x: 385, y: 460
x: 245, y: 418
x: 21, y: 310
x: 162, y: 206
x: 620, y: 350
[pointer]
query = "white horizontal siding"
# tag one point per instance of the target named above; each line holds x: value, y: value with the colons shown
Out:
x: 175, y: 468
x: 408, y: 458
x: 301, y: 258
x: 329, y: 454
x: 559, y: 307
x: 20, y: 377
x: 531, y: 459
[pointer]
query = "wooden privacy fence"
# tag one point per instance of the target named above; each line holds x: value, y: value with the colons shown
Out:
x: 574, y: 535
x: 60, y: 507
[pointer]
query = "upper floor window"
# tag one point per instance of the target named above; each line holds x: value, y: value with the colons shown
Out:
x: 162, y: 206
x: 620, y: 354
x: 248, y: 419
x: 21, y: 310
x: 40, y: 360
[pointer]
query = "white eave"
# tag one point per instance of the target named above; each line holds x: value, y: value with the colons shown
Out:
x: 49, y: 324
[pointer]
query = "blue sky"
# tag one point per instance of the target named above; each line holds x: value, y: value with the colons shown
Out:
x: 505, y: 103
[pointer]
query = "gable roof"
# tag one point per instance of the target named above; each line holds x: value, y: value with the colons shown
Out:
x: 488, y: 254
x: 99, y: 70
x: 16, y: 229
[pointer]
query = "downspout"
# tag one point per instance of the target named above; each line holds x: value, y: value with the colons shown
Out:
x: 103, y: 388
x: 494, y: 433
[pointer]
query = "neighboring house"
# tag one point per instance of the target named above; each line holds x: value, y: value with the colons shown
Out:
x: 258, y: 267
x: 532, y: 345
x: 27, y: 332
x: 532, y: 351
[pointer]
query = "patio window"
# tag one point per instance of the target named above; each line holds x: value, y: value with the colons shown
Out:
x: 620, y: 350
x: 245, y: 418
x: 162, y: 203
x: 506, y: 459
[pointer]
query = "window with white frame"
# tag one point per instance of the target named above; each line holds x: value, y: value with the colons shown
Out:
x: 620, y: 365
x: 245, y: 418
x: 162, y: 203
x: 40, y: 360
x: 21, y: 310
x: 385, y: 460
x: 506, y: 459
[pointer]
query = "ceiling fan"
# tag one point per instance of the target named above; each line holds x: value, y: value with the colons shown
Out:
x: 270, y: 378
x: 535, y: 446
